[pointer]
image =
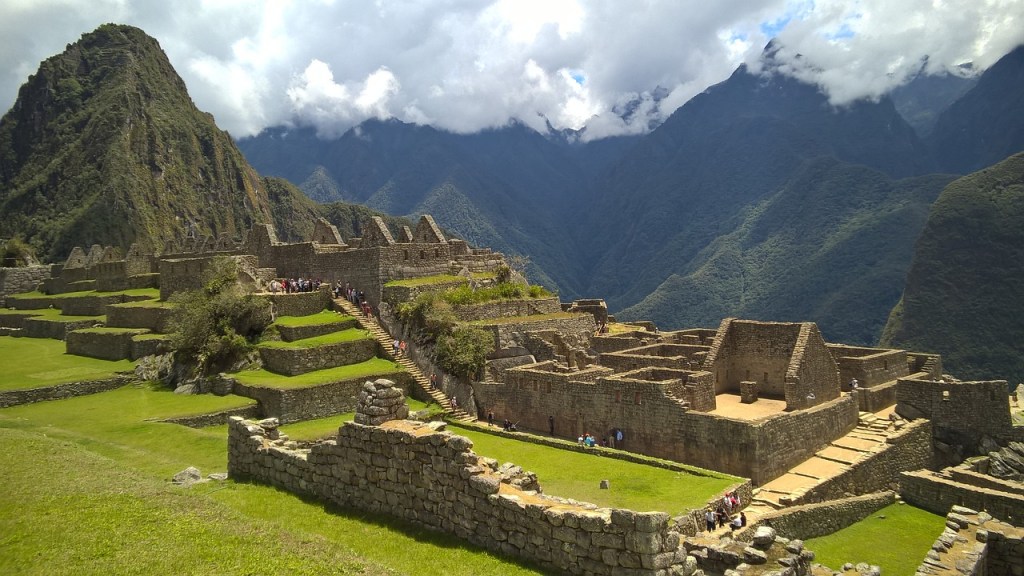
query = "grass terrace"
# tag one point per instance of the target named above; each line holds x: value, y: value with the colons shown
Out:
x: 896, y: 538
x: 578, y: 475
x: 436, y: 280
x: 51, y: 314
x: 319, y: 319
x: 144, y: 304
x: 371, y: 367
x: 350, y: 335
x: 153, y: 293
x: 40, y: 362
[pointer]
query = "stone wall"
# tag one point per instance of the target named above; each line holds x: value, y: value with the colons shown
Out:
x: 870, y: 366
x: 937, y: 492
x: 514, y: 334
x: 962, y: 413
x: 293, y: 333
x: 909, y: 449
x: 814, y: 520
x: 94, y: 305
x: 507, y: 308
x: 103, y: 343
x: 295, y: 404
x: 294, y: 361
x: 664, y: 355
x: 53, y: 328
x: 975, y: 543
x: 60, y: 391
x: 216, y: 418
x: 433, y: 479
x: 129, y: 315
x: 301, y: 303
x: 22, y: 279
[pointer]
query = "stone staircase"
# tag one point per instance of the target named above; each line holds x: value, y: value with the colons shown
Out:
x: 868, y: 437
x: 385, y: 340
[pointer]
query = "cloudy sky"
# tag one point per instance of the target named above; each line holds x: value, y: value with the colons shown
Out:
x: 465, y: 65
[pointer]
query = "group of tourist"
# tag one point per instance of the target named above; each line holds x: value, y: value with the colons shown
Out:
x: 718, y: 518
x: 294, y: 285
x: 588, y: 441
x: 399, y: 347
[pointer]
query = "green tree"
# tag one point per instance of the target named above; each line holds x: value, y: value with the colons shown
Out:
x: 217, y: 324
x: 464, y: 350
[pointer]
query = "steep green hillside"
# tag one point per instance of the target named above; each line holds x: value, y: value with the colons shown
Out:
x: 985, y: 125
x: 832, y: 245
x: 964, y: 295
x: 104, y: 145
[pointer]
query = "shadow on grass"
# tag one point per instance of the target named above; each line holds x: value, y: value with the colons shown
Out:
x: 420, y: 534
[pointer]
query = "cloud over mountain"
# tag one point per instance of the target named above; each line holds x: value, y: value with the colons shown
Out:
x: 465, y: 65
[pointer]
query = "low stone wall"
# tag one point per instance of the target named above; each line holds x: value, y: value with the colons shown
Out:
x: 511, y: 335
x: 293, y: 333
x: 937, y: 493
x: 908, y: 449
x: 14, y: 320
x: 94, y: 305
x: 155, y: 318
x: 32, y: 303
x: 433, y: 479
x: 508, y: 308
x: 116, y: 283
x: 55, y: 329
x: 294, y: 361
x: 301, y: 303
x: 975, y: 543
x: 102, y: 343
x: 60, y: 391
x: 215, y: 418
x: 295, y: 404
x: 142, y: 346
x: 21, y: 279
x: 814, y: 520
x: 876, y: 398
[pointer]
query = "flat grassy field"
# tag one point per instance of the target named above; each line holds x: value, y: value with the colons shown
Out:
x: 39, y: 362
x: 87, y: 492
x: 52, y: 314
x: 896, y: 538
x: 372, y: 367
x: 578, y: 475
x: 328, y: 427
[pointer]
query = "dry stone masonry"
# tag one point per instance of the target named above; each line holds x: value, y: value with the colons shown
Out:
x: 379, y: 402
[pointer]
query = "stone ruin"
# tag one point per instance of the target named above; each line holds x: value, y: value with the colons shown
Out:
x: 380, y: 401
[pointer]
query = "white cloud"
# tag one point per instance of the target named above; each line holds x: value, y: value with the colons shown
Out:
x: 465, y: 65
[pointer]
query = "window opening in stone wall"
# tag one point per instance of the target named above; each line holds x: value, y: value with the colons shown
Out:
x: 636, y: 398
x: 618, y: 396
x: 423, y: 254
x: 437, y: 252
x: 765, y: 377
x: 885, y: 364
x: 406, y: 254
x: 548, y: 387
x: 748, y: 376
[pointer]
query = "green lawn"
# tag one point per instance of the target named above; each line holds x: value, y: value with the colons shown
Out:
x: 39, y: 362
x: 578, y: 475
x: 897, y: 543
x: 350, y: 335
x: 371, y: 367
x: 86, y: 492
x: 52, y: 314
x: 428, y: 281
x: 523, y: 319
x: 151, y: 292
x: 318, y: 319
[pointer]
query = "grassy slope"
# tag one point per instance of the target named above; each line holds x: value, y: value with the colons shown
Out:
x: 154, y: 451
x: 49, y: 365
x: 372, y: 367
x: 897, y: 543
x: 318, y: 319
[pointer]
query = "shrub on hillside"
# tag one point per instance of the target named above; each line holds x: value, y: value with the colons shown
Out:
x: 464, y: 350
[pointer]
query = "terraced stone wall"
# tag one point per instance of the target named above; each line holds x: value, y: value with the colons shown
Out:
x: 294, y: 361
x: 60, y: 391
x: 434, y: 479
x: 814, y: 520
x: 301, y: 303
x: 295, y: 404
x: 976, y: 543
x: 507, y: 308
x: 21, y: 279
x: 937, y: 492
x: 102, y: 343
